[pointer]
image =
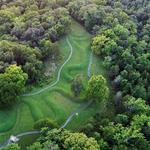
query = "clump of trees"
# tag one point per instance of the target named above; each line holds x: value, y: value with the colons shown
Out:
x: 129, y: 61
x: 120, y: 31
x: 126, y: 131
x: 29, y: 31
x: 12, y: 84
x: 11, y: 147
x: 63, y: 139
x: 25, y: 56
x: 121, y: 38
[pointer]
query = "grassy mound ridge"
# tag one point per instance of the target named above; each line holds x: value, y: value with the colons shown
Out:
x: 7, y: 119
x: 58, y: 102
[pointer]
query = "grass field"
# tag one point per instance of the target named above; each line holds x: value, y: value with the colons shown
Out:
x: 57, y: 102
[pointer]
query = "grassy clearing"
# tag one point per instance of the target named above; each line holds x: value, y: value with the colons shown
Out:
x: 58, y: 102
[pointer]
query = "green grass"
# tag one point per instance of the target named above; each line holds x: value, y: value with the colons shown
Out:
x: 58, y: 102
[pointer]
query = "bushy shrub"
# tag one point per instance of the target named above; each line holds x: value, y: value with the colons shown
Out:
x: 45, y: 123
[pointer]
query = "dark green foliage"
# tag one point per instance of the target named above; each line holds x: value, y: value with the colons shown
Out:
x: 45, y: 123
x: 77, y: 85
x: 28, y: 31
x: 131, y: 66
x: 48, y: 49
x: 128, y: 129
x: 36, y: 146
x: 27, y: 57
x: 121, y: 39
x: 122, y: 119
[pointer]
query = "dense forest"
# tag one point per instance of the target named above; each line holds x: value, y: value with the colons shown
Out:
x: 29, y: 31
x: 120, y: 30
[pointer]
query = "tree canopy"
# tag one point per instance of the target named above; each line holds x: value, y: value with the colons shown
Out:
x: 63, y: 139
x: 97, y: 88
x: 12, y: 84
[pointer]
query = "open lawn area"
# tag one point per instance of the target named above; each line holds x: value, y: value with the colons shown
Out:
x: 56, y: 102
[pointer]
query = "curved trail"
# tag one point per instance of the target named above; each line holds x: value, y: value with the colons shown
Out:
x: 77, y: 110
x: 58, y: 75
x: 27, y: 133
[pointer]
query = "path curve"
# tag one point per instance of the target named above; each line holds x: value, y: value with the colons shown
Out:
x: 27, y: 133
x: 58, y: 75
x: 77, y: 110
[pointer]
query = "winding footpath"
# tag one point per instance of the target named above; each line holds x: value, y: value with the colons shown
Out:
x: 58, y: 75
x: 74, y: 113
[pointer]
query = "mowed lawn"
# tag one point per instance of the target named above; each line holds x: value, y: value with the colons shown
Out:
x: 57, y: 102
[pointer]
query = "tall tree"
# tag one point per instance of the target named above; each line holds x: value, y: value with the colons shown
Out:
x: 97, y: 88
x: 12, y: 84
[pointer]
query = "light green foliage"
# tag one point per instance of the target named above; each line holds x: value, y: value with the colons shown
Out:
x: 97, y: 88
x: 120, y: 135
x: 98, y: 44
x: 140, y: 121
x: 36, y: 146
x: 136, y: 106
x: 12, y: 84
x: 80, y: 141
x: 11, y: 147
x: 6, y: 21
x: 122, y: 48
x: 63, y: 139
x: 121, y: 31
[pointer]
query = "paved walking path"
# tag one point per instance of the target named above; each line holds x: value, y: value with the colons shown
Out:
x: 76, y: 111
x: 58, y: 75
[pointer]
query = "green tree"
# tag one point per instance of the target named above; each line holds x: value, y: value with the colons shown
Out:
x: 97, y: 88
x: 142, y: 122
x: 49, y: 49
x: 12, y: 84
x: 135, y: 106
x: 36, y: 146
x: 98, y: 44
x: 11, y: 147
x: 6, y: 21
x: 77, y: 85
x: 80, y: 141
x: 45, y: 123
x: 64, y: 139
x: 22, y: 55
